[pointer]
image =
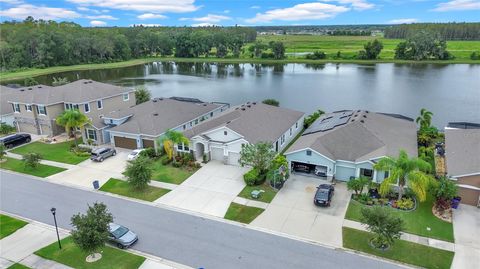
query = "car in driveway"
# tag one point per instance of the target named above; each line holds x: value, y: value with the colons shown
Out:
x: 324, y: 194
x: 14, y: 140
x: 134, y: 154
x: 121, y: 236
x: 100, y: 154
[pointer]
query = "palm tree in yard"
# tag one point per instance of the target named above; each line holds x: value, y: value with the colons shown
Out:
x: 411, y: 172
x: 425, y: 118
x: 72, y: 119
x: 170, y: 139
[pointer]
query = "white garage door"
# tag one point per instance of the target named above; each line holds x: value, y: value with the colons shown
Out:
x: 233, y: 158
x: 217, y: 154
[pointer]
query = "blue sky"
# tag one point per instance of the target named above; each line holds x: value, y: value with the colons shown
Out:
x: 241, y: 12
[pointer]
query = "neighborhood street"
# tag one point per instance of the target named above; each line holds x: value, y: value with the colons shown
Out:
x: 180, y: 237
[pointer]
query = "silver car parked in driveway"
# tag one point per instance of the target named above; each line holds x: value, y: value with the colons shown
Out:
x: 121, y: 236
x: 101, y: 154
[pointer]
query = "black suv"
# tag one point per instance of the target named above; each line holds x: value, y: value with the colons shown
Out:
x: 324, y: 194
x: 14, y: 140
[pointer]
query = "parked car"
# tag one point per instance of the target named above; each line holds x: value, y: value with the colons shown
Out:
x: 121, y: 235
x: 14, y: 140
x: 100, y: 154
x: 134, y: 154
x: 324, y: 194
x: 320, y: 171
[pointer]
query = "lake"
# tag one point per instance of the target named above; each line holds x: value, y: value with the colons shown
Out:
x: 451, y: 92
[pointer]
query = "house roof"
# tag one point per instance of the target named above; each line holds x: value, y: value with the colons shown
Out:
x: 358, y: 136
x: 5, y: 93
x: 256, y: 122
x: 158, y: 115
x: 462, y: 151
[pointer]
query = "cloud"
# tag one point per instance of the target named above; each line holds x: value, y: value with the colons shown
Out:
x: 104, y: 17
x: 158, y: 6
x: 148, y: 16
x: 226, y: 11
x: 402, y: 21
x: 306, y: 11
x: 457, y: 5
x: 146, y: 25
x: 255, y: 7
x: 11, y: 2
x: 210, y: 18
x: 355, y: 4
x: 98, y: 23
x: 38, y: 12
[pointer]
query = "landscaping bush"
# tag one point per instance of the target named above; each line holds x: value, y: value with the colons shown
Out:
x: 149, y: 153
x: 166, y: 161
x: 405, y: 204
x: 316, y: 55
x: 6, y: 129
x: 251, y: 177
x: 364, y: 198
x: 32, y: 160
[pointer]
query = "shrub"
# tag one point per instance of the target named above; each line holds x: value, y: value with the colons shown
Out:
x: 405, y: 204
x: 2, y: 151
x: 149, y: 153
x: 139, y: 172
x: 317, y: 55
x: 385, y: 226
x: 475, y: 56
x: 271, y: 102
x: 177, y: 164
x: 445, y: 189
x: 32, y: 160
x: 6, y: 129
x: 204, y: 157
x: 251, y: 177
x: 364, y: 198
x: 166, y: 161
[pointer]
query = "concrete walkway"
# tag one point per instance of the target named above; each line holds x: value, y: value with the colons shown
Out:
x: 466, y: 227
x: 46, y: 162
x: 248, y: 202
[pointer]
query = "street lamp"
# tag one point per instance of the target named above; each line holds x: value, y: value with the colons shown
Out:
x: 53, y: 210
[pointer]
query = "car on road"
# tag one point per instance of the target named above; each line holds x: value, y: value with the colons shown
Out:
x: 121, y: 235
x: 14, y: 140
x: 324, y: 194
x: 100, y: 154
x: 134, y: 154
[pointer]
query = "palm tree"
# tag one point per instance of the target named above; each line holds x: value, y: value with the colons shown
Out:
x: 72, y: 119
x: 170, y: 139
x: 425, y: 118
x: 408, y: 171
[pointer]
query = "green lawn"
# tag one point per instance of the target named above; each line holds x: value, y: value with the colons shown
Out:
x: 416, y: 222
x: 169, y: 174
x: 123, y: 188
x: 18, y: 266
x: 72, y: 256
x: 9, y: 225
x: 41, y: 171
x: 266, y: 196
x: 58, y: 152
x: 402, y: 251
x: 241, y: 213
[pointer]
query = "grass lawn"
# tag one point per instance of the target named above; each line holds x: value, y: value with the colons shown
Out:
x: 416, y: 222
x: 241, y: 213
x: 9, y: 225
x: 41, y: 171
x: 402, y: 251
x: 266, y: 196
x: 58, y: 152
x: 18, y: 266
x: 72, y: 256
x: 123, y: 188
x: 169, y: 174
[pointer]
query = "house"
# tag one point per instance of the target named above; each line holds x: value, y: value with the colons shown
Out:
x: 140, y: 126
x: 6, y: 110
x: 36, y: 107
x: 347, y: 143
x: 221, y: 138
x: 462, y: 155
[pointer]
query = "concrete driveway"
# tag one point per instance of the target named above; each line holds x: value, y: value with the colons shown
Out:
x: 466, y: 227
x: 209, y: 191
x: 292, y: 211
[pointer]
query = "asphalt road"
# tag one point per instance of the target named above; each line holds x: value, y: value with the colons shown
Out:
x: 175, y: 236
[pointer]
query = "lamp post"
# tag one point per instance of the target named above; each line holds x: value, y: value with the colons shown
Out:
x: 53, y: 210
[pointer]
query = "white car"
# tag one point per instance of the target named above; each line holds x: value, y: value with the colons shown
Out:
x: 134, y: 154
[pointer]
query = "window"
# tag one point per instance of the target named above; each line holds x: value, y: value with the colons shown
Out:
x: 282, y: 140
x: 68, y: 106
x: 87, y: 107
x: 41, y: 110
x: 126, y: 97
x: 191, y: 123
x: 309, y: 153
x: 386, y: 174
x: 186, y: 148
x: 290, y: 131
x: 75, y: 107
x: 211, y: 114
x: 91, y: 134
x: 184, y: 126
x: 296, y: 125
x: 99, y: 104
x: 225, y: 132
x: 180, y: 146
x: 16, y: 107
x: 196, y: 121
x: 366, y: 172
x: 28, y: 108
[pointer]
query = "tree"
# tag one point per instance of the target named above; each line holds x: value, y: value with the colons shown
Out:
x: 371, y: 50
x: 271, y: 102
x: 425, y: 119
x: 142, y: 95
x: 278, y: 50
x: 357, y: 184
x: 139, y: 172
x: 259, y: 156
x: 316, y: 55
x: 31, y: 160
x: 30, y: 82
x: 385, y: 226
x: 72, y: 119
x: 222, y: 51
x: 59, y: 81
x: 423, y: 45
x: 3, y: 151
x: 91, y: 231
x: 445, y: 189
x: 407, y: 171
x: 475, y: 56
x: 170, y: 139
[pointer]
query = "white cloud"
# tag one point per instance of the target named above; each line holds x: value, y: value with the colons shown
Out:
x: 146, y: 25
x: 98, y: 23
x: 355, y: 4
x: 38, y: 12
x: 402, y: 21
x: 158, y: 6
x: 104, y: 17
x: 11, y: 2
x: 148, y: 16
x: 306, y: 11
x: 210, y: 18
x: 255, y: 7
x: 457, y: 5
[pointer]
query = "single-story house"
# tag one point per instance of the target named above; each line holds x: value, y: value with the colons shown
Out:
x: 141, y: 125
x: 221, y: 138
x: 462, y: 155
x: 347, y: 143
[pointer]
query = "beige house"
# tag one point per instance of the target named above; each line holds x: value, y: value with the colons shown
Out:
x: 6, y: 110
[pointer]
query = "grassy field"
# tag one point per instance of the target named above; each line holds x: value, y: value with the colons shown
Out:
x: 72, y: 256
x: 58, y: 152
x: 121, y: 187
x: 241, y: 213
x: 416, y: 222
x: 19, y: 166
x: 402, y: 251
x: 267, y: 196
x: 9, y: 225
x: 169, y: 174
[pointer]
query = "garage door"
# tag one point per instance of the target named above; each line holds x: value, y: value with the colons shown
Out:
x: 148, y: 143
x: 124, y: 142
x: 216, y: 154
x: 344, y: 173
x: 233, y: 158
x: 469, y: 196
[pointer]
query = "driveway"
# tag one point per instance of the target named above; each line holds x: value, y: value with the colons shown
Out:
x: 292, y: 212
x: 209, y: 191
x: 466, y: 223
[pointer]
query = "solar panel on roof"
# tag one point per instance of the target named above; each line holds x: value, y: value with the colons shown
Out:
x: 330, y: 122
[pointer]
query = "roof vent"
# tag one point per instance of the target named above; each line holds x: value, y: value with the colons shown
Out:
x: 249, y: 106
x: 243, y: 108
x: 248, y: 102
x: 161, y: 98
x: 228, y: 122
x: 154, y: 100
x: 358, y: 110
x: 39, y: 87
x: 155, y: 114
x: 204, y: 104
x: 22, y: 90
x: 29, y: 89
x: 353, y: 120
x: 366, y: 111
x: 254, y: 103
x: 362, y: 121
x: 355, y: 115
x: 365, y: 116
x: 90, y: 81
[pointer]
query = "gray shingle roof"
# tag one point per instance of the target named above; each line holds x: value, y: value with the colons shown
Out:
x: 462, y: 151
x: 357, y: 141
x: 5, y: 93
x: 257, y: 122
x: 156, y: 117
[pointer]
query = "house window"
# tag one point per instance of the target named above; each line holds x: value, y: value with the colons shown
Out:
x: 296, y: 125
x: 91, y: 134
x: 290, y: 131
x: 99, y: 104
x: 184, y: 127
x: 41, y: 110
x: 225, y: 133
x: 366, y: 172
x: 191, y: 123
x: 282, y: 140
x: 180, y: 146
x: 386, y: 174
x: 186, y: 148
x: 126, y: 97
x: 68, y: 106
x: 196, y: 121
x: 87, y: 107
x: 211, y: 114
x: 28, y: 108
x: 309, y: 153
x: 16, y: 107
x: 75, y: 107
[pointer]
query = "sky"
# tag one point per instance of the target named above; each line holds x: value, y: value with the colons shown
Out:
x: 101, y: 13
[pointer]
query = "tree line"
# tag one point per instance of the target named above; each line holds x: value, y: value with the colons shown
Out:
x: 39, y: 43
x: 446, y: 31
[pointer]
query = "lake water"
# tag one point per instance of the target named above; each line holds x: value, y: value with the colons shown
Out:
x: 451, y: 92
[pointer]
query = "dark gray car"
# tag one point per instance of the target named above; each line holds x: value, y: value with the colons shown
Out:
x: 121, y: 236
x: 101, y: 154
